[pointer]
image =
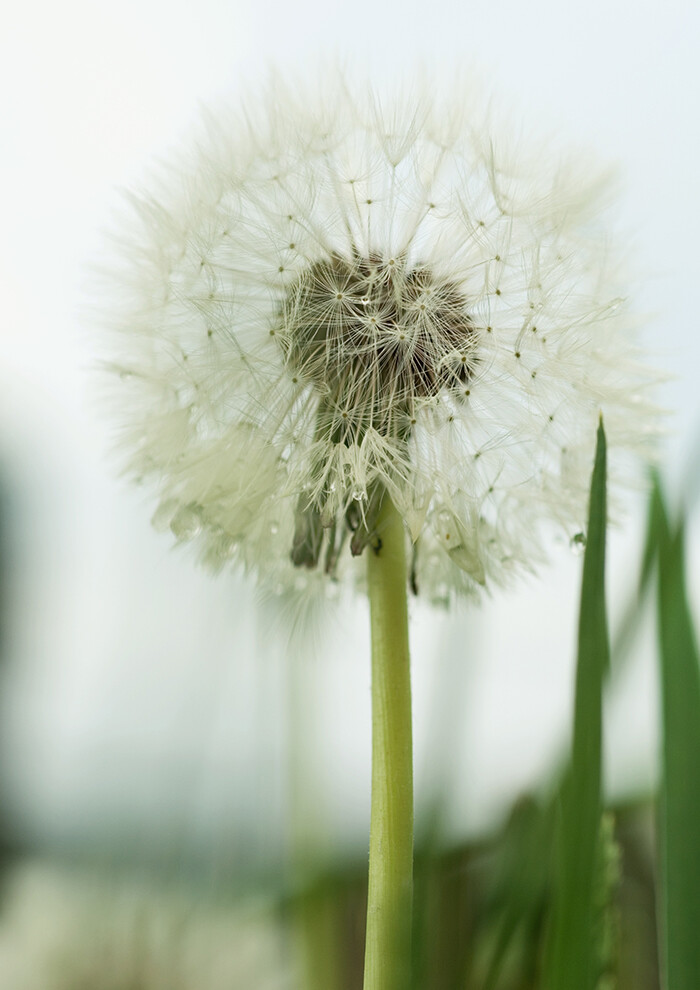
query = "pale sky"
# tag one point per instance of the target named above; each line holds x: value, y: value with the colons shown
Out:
x: 139, y: 685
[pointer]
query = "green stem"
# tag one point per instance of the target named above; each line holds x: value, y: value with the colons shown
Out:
x: 388, y: 944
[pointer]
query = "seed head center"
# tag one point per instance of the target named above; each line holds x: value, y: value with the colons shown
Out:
x: 373, y: 337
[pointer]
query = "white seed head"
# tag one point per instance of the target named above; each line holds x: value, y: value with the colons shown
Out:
x: 334, y: 300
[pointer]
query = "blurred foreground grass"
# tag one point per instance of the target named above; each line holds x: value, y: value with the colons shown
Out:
x: 570, y: 892
x: 480, y: 922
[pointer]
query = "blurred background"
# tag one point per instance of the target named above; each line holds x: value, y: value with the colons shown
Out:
x: 151, y: 716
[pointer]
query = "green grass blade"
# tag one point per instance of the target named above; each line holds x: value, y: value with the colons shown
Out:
x: 636, y: 607
x: 520, y: 891
x: 679, y: 810
x: 570, y: 961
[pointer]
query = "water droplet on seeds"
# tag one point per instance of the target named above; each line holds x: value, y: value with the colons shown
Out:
x: 577, y: 544
x: 162, y: 517
x: 359, y: 496
x: 186, y: 523
x: 225, y: 546
x: 274, y: 528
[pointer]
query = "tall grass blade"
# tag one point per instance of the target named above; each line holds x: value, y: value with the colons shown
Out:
x: 637, y: 605
x: 679, y: 810
x: 570, y: 960
x: 521, y: 890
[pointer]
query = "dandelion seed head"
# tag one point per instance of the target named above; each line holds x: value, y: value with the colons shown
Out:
x: 375, y: 338
x: 342, y: 298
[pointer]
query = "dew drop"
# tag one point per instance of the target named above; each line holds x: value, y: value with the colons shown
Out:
x: 577, y: 544
x: 359, y: 495
x: 162, y: 517
x: 186, y: 523
x: 224, y: 546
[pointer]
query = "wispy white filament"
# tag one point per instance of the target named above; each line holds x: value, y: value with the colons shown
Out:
x: 338, y: 295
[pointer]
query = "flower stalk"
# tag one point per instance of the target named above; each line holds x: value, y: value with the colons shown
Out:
x: 389, y: 903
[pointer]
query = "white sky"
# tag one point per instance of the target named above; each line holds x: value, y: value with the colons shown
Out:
x: 138, y: 686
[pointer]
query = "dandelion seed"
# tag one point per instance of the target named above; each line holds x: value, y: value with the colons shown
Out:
x: 303, y: 324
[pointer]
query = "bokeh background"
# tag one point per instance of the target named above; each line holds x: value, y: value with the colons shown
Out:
x: 153, y: 714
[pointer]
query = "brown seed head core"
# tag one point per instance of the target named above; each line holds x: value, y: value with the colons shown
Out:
x: 373, y: 337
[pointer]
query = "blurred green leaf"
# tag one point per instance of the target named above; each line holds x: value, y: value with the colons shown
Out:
x: 570, y: 960
x: 679, y: 810
x: 520, y: 890
x: 636, y: 606
x: 606, y: 920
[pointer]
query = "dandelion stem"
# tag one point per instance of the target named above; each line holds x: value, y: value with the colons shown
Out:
x: 387, y: 949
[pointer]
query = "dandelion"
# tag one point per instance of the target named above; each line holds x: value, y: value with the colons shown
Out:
x: 331, y: 300
x: 347, y: 328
